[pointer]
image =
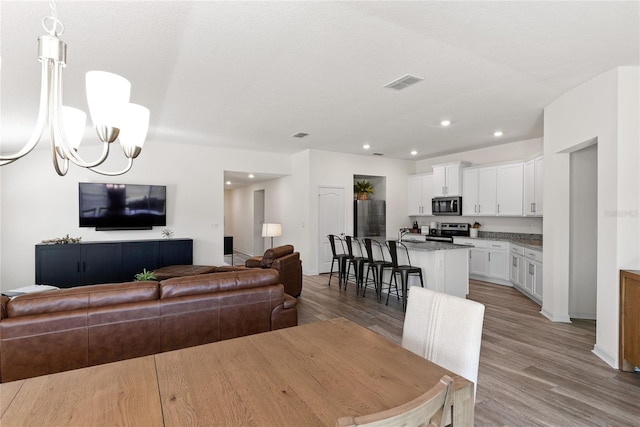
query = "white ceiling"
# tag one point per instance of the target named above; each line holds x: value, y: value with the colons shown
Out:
x: 249, y: 75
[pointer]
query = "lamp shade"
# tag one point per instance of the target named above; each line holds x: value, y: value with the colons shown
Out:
x: 271, y: 230
x: 107, y: 95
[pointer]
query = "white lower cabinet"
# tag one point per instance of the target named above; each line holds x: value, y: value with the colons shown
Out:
x: 527, y: 276
x: 487, y: 259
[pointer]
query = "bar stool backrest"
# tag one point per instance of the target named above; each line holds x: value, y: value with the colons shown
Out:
x: 332, y: 240
x: 393, y: 251
x: 368, y: 244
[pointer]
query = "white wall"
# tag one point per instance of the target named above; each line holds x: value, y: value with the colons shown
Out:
x: 36, y: 204
x: 605, y: 108
x: 332, y: 169
x: 583, y: 221
x: 513, y: 151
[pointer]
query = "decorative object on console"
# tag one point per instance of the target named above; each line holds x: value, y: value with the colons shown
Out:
x: 108, y: 98
x: 167, y: 233
x: 271, y: 230
x: 362, y: 189
x: 63, y: 240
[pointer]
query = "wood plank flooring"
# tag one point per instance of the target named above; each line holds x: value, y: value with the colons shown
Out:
x: 533, y: 372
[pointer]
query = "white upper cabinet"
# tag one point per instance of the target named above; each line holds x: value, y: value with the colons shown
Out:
x: 447, y: 179
x: 533, y: 179
x: 479, y: 191
x: 420, y: 194
x: 509, y: 189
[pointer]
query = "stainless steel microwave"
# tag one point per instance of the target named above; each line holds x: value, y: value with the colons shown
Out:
x: 446, y: 205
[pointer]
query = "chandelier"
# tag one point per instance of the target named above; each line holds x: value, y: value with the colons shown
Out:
x: 113, y: 116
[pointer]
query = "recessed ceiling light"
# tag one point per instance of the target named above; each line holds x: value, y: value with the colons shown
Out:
x: 366, y: 146
x: 445, y: 123
x: 251, y: 175
x: 497, y: 133
x: 414, y: 152
x: 300, y: 134
x: 228, y: 182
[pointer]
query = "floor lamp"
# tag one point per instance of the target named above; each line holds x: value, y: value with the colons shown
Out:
x: 271, y: 230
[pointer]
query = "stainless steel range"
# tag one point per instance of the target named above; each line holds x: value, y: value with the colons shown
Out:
x: 448, y: 231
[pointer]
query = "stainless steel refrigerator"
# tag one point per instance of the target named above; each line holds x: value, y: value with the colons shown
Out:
x: 369, y: 218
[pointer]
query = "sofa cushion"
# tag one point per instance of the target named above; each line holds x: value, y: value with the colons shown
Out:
x: 270, y: 255
x: 217, y: 282
x: 82, y: 297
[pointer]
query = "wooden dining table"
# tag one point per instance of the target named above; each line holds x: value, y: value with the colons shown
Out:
x: 307, y: 375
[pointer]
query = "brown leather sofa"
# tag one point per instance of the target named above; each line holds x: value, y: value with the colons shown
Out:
x: 286, y: 262
x: 53, y: 331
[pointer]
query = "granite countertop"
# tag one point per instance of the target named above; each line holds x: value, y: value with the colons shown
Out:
x: 432, y: 246
x: 533, y: 242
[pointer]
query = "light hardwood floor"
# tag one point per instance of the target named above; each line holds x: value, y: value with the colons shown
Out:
x: 533, y: 372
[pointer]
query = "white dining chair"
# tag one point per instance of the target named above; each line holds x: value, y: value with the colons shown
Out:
x: 444, y: 329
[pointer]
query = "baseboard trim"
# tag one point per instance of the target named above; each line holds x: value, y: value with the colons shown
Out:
x: 559, y: 319
x: 611, y: 361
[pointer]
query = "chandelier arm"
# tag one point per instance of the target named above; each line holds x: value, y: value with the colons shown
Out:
x: 41, y: 122
x: 57, y: 136
x: 123, y: 171
x: 60, y: 170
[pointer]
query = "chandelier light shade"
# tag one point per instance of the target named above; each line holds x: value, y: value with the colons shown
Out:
x: 271, y: 230
x: 113, y: 116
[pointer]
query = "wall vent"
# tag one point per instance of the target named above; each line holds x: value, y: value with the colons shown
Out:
x: 403, y: 82
x: 300, y: 135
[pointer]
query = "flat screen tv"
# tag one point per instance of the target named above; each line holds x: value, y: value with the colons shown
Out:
x: 122, y: 206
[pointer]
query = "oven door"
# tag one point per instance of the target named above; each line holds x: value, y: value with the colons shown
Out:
x: 446, y: 206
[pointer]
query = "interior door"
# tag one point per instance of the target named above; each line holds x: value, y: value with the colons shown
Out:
x: 331, y: 220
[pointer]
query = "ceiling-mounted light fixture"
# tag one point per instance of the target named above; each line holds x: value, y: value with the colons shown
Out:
x: 445, y: 123
x: 497, y: 133
x: 108, y: 98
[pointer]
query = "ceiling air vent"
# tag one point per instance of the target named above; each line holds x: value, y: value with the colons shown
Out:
x: 300, y: 135
x: 403, y: 82
x: 377, y: 154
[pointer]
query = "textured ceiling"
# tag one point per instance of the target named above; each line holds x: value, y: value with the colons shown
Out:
x: 249, y: 75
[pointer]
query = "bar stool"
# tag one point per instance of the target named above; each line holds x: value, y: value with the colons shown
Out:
x: 337, y: 256
x: 355, y: 259
x: 403, y: 270
x: 375, y: 265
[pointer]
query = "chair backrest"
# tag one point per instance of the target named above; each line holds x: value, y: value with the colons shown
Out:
x: 393, y: 251
x: 348, y: 240
x: 444, y: 329
x: 429, y: 409
x: 332, y: 240
x: 368, y: 244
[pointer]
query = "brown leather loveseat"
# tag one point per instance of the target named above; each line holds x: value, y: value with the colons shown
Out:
x: 65, y: 329
x: 287, y: 262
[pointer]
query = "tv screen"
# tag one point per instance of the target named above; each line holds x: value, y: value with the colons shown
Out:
x: 122, y: 206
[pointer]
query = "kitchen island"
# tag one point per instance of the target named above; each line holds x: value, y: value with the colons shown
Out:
x: 445, y: 266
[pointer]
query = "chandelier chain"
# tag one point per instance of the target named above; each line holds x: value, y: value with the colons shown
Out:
x: 56, y: 26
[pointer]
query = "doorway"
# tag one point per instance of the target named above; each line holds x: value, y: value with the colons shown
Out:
x: 331, y: 220
x: 258, y: 220
x: 583, y: 232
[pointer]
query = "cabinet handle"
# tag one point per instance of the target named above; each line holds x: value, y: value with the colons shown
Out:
x: 479, y: 208
x: 534, y: 206
x: 498, y: 207
x: 489, y: 253
x: 78, y: 267
x: 515, y: 262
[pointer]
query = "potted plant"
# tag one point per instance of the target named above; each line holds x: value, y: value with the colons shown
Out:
x: 363, y: 189
x: 145, y: 275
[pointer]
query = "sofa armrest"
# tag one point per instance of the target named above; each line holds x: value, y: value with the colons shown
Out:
x: 255, y: 262
x: 286, y: 314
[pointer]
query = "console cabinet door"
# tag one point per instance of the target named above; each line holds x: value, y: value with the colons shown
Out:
x: 137, y: 256
x: 175, y: 252
x: 509, y: 191
x: 100, y: 263
x: 58, y: 265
